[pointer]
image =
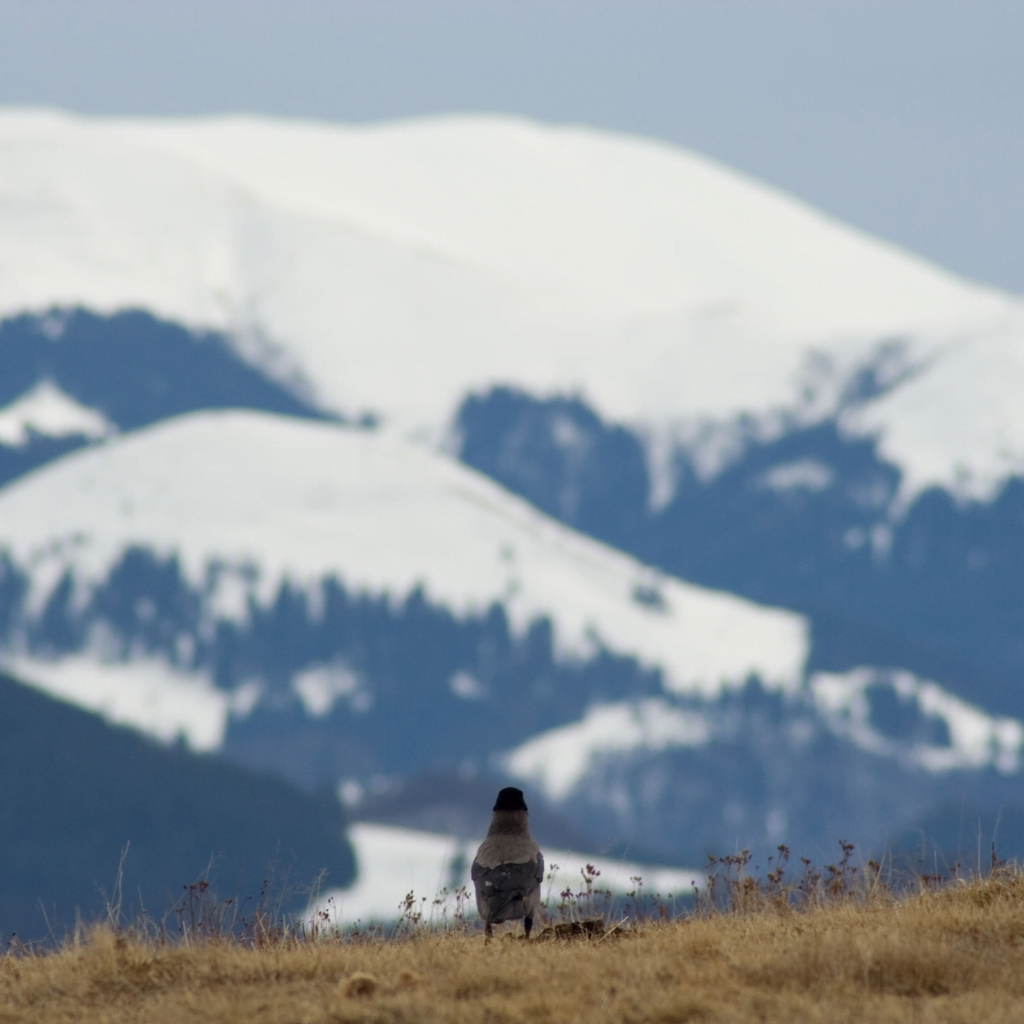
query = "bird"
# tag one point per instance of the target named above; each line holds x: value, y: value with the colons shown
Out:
x: 508, y: 867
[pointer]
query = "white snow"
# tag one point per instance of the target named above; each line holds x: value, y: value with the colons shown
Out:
x: 397, y: 266
x: 959, y: 423
x: 801, y: 475
x: 977, y: 739
x: 393, y: 862
x: 320, y: 686
x: 46, y: 410
x: 302, y: 500
x: 144, y: 693
x: 556, y: 761
x: 467, y: 686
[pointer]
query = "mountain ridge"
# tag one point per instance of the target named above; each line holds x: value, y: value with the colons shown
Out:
x: 729, y: 298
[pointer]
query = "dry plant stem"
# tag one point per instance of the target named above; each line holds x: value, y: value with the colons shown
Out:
x: 953, y: 954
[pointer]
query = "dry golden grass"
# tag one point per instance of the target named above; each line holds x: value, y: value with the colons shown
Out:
x: 956, y: 954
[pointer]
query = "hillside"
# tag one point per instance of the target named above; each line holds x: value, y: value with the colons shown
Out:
x: 947, y: 956
x: 384, y: 517
x: 78, y: 793
x: 808, y: 519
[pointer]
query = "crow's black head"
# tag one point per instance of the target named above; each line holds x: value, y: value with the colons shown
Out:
x: 510, y: 799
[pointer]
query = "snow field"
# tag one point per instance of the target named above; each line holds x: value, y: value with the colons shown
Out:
x: 392, y: 862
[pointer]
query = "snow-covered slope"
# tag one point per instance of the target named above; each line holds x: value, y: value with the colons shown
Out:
x: 854, y: 754
x: 398, y: 266
x: 47, y: 411
x: 298, y: 499
x: 393, y: 862
x: 936, y: 732
x: 970, y: 737
x: 146, y: 694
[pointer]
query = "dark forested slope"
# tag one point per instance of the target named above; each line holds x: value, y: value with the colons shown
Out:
x: 76, y: 792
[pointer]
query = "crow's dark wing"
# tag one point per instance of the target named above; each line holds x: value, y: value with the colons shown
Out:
x: 509, y: 877
x: 503, y: 888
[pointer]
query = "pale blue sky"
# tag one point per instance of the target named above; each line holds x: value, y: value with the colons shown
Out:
x: 905, y: 117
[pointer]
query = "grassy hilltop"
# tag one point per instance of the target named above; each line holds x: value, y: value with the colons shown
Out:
x: 954, y: 953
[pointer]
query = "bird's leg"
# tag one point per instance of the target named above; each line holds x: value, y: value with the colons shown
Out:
x: 528, y: 926
x: 487, y: 930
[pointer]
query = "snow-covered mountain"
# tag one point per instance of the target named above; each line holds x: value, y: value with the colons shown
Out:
x: 343, y: 606
x: 670, y: 358
x: 848, y: 755
x: 397, y: 267
x: 804, y: 520
x: 70, y: 377
x: 270, y: 578
x: 246, y: 501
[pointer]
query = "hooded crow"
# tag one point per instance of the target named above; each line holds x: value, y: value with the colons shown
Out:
x: 509, y: 866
